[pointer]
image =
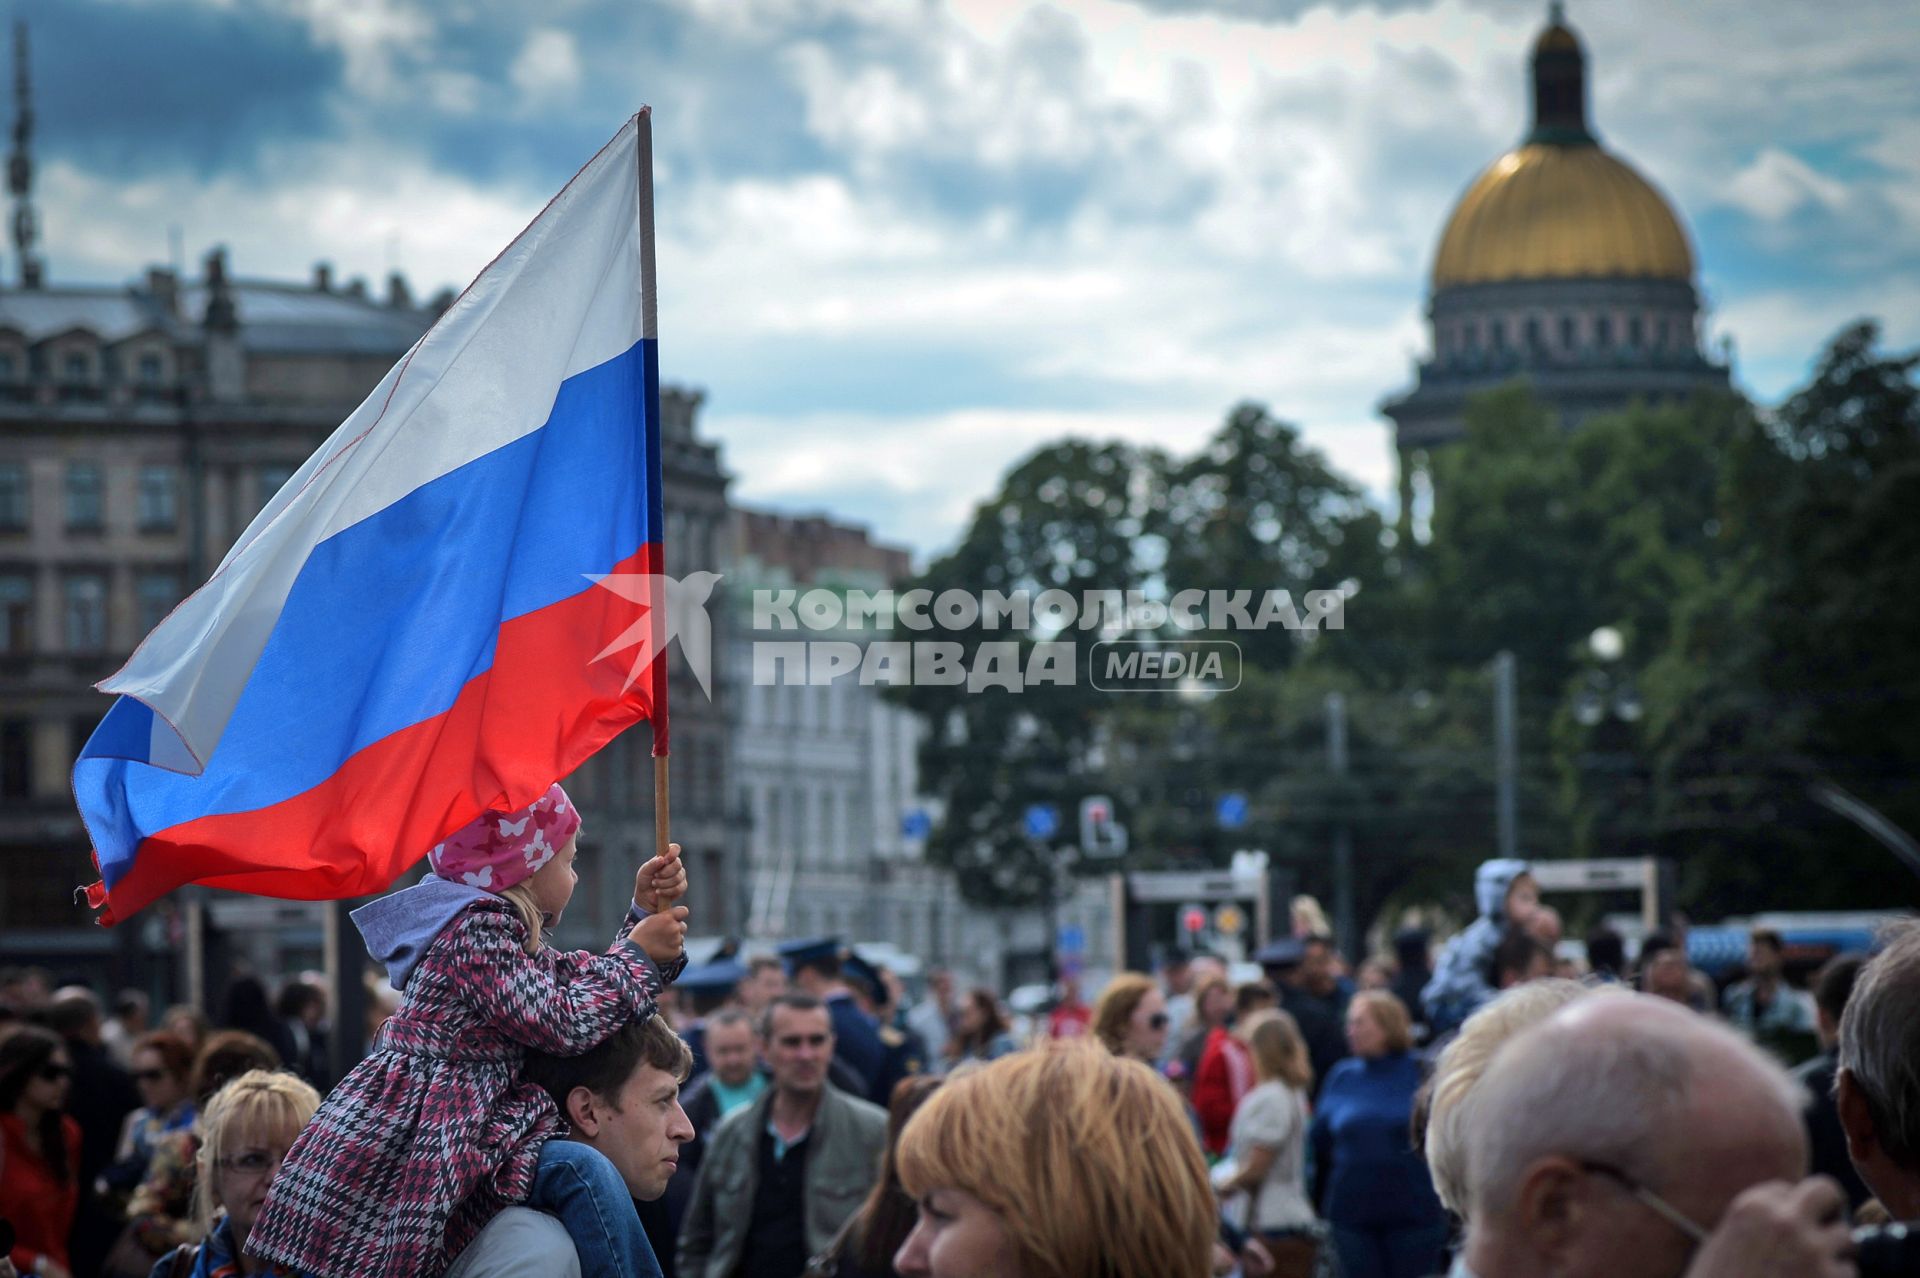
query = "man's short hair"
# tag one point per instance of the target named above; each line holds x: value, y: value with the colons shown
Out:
x: 1768, y: 937
x: 793, y: 1001
x: 605, y: 1069
x: 1880, y: 1044
x: 755, y: 966
x: 1516, y: 952
x: 296, y: 997
x: 1606, y: 951
x: 1253, y: 995
x: 729, y: 1016
x: 72, y: 1011
x: 1833, y: 983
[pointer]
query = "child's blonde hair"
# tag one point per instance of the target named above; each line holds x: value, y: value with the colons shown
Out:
x: 520, y: 897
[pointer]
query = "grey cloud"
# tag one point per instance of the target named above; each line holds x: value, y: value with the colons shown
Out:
x: 138, y: 89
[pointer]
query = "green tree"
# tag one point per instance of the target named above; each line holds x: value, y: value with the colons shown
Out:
x: 1795, y: 664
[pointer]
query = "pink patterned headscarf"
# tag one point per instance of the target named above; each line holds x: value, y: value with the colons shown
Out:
x: 496, y: 850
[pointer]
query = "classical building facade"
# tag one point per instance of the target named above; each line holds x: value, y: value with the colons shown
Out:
x: 141, y: 429
x: 1560, y: 265
x: 827, y: 777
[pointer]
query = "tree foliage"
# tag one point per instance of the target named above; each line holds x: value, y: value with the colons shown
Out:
x: 1756, y: 569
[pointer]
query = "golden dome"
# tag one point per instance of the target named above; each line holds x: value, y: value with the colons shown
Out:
x: 1547, y: 211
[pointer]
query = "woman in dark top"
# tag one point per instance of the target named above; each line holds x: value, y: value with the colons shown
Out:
x: 871, y: 1235
x: 1374, y: 1189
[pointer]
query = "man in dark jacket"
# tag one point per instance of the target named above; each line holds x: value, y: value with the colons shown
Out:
x: 780, y: 1177
x: 102, y: 1096
x: 1323, y: 1033
x: 1832, y: 987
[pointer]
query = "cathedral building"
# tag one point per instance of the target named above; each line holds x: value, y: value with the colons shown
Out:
x: 1561, y: 266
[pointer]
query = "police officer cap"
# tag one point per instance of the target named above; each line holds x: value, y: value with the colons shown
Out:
x: 717, y: 977
x: 1286, y: 952
x: 865, y: 976
x: 823, y: 949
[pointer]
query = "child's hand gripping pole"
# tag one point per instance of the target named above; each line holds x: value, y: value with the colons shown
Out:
x: 661, y: 882
x: 663, y: 936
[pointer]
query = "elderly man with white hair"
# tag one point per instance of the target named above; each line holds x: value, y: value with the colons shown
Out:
x: 1627, y: 1136
x: 1878, y: 1087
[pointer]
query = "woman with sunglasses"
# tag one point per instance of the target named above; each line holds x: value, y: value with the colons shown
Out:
x: 1130, y: 1018
x: 162, y: 1070
x: 39, y: 1149
x: 244, y: 1136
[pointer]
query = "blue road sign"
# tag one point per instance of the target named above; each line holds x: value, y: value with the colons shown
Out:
x: 915, y: 824
x: 1231, y: 811
x: 1042, y: 821
x: 1073, y: 939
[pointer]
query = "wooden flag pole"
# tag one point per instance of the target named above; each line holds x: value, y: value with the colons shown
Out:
x: 660, y: 804
x: 643, y: 143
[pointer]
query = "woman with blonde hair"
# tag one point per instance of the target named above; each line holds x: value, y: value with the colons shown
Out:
x: 1268, y: 1144
x: 1444, y: 1117
x: 245, y: 1132
x: 1130, y: 1019
x: 1061, y: 1162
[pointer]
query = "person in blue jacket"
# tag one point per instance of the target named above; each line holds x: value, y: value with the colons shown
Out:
x: 814, y: 967
x: 1371, y: 1187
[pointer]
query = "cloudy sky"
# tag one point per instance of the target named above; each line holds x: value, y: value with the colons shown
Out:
x: 902, y: 242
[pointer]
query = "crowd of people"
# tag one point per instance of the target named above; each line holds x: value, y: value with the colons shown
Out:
x: 1497, y: 1112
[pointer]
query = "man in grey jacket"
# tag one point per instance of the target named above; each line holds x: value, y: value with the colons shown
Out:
x: 781, y: 1176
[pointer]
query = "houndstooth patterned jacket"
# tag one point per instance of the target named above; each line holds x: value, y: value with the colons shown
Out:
x: 435, y: 1132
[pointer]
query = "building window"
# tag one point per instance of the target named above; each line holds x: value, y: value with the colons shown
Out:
x: 156, y: 593
x: 1568, y: 332
x: 13, y: 497
x: 1534, y: 338
x: 1660, y: 335
x: 1602, y: 331
x: 1497, y: 334
x: 77, y: 368
x: 159, y: 498
x: 84, y: 488
x: 272, y: 480
x: 150, y: 369
x: 87, y: 612
x: 1636, y: 332
x: 82, y: 729
x: 16, y: 613
x: 16, y: 758
x: 9, y: 371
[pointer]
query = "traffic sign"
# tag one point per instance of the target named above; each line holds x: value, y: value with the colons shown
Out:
x: 1072, y: 939
x: 1042, y: 821
x: 1231, y: 811
x: 915, y: 823
x: 1229, y: 920
x: 1193, y: 917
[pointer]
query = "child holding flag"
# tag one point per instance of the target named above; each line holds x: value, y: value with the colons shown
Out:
x: 435, y: 1131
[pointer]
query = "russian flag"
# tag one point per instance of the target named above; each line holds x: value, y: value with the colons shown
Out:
x: 412, y: 630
